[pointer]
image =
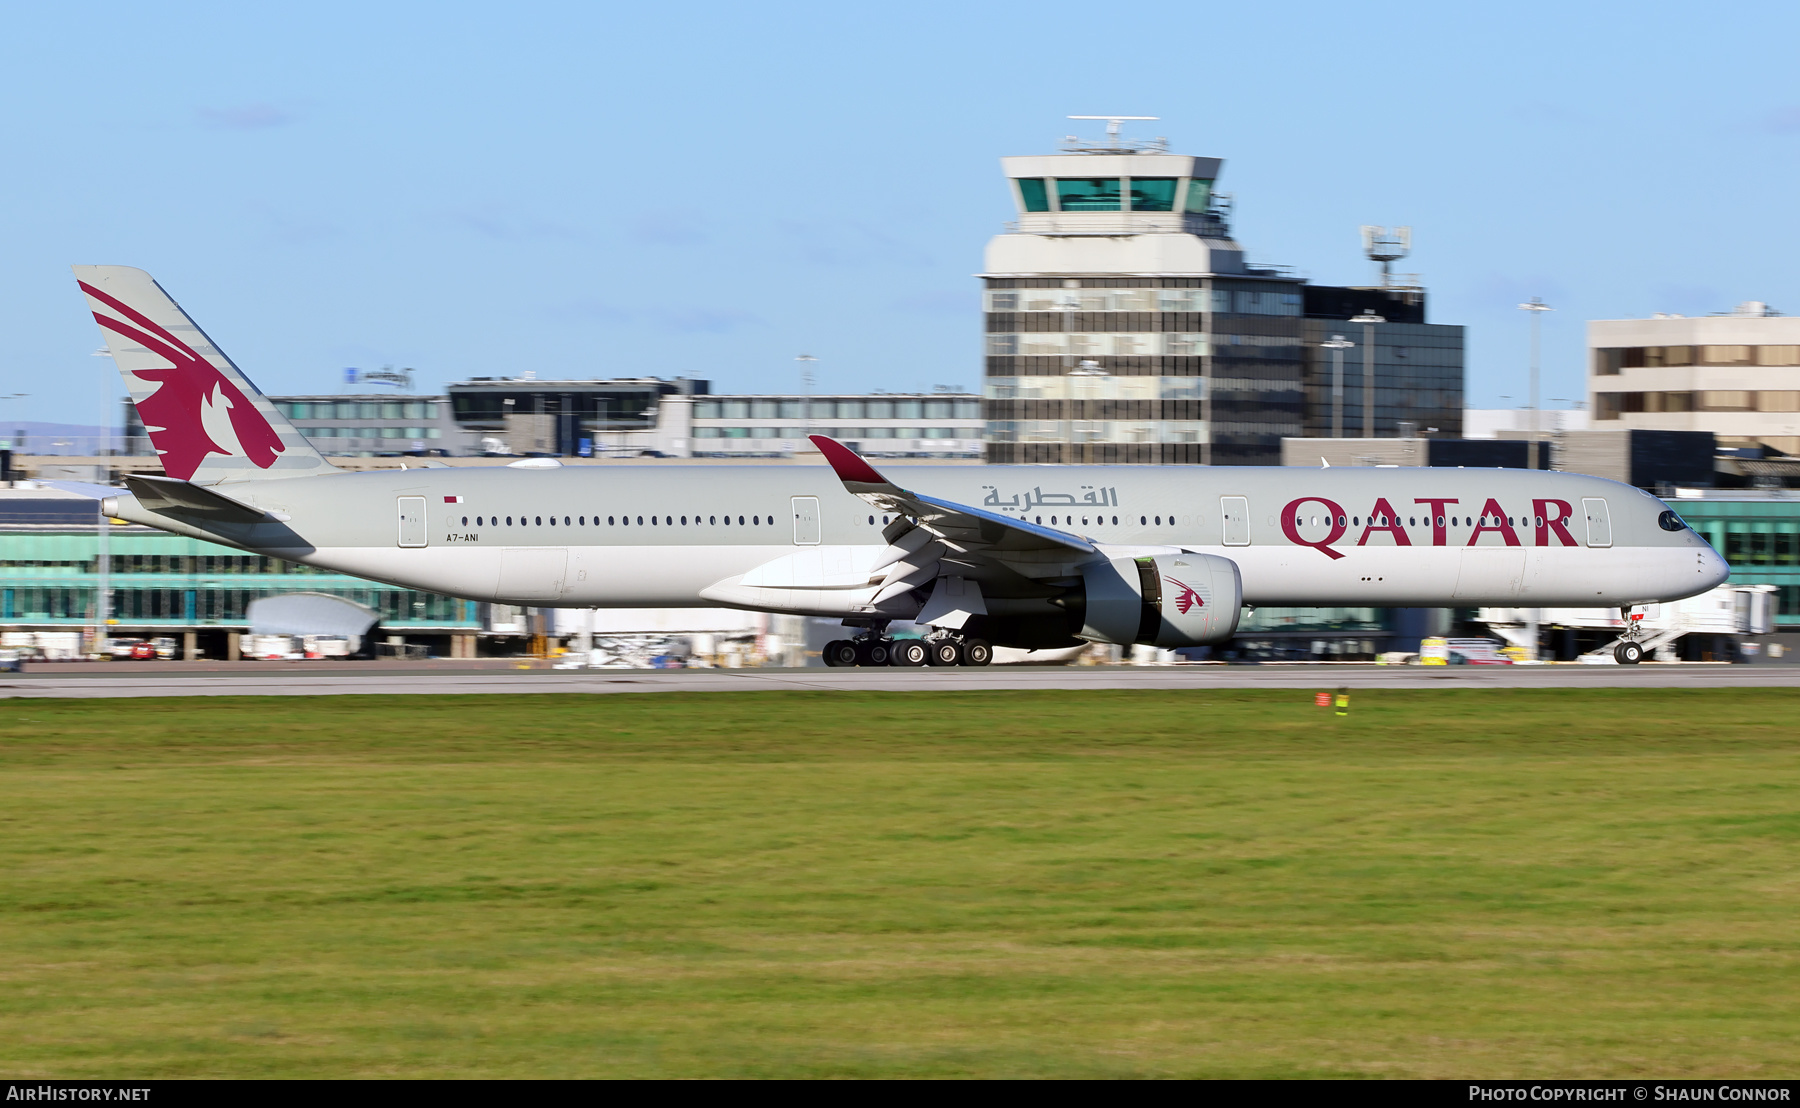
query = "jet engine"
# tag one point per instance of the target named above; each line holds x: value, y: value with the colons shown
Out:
x: 1165, y: 600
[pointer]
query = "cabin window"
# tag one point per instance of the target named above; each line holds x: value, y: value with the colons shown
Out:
x: 1159, y: 521
x: 465, y: 521
x: 714, y: 520
x: 553, y: 521
x: 740, y: 521
x: 509, y: 521
x: 653, y: 521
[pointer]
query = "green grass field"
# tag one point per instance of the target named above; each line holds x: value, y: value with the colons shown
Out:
x: 1445, y: 884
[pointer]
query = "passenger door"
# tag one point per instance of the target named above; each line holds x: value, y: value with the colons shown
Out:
x: 1599, y: 524
x: 1234, y: 516
x: 806, y: 521
x: 412, y: 521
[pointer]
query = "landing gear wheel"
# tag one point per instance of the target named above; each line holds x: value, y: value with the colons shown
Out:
x: 872, y: 652
x: 1628, y: 653
x: 977, y: 652
x: 946, y: 652
x: 840, y: 652
x: 911, y: 652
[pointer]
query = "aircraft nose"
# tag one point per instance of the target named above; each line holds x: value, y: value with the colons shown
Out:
x: 1714, y: 568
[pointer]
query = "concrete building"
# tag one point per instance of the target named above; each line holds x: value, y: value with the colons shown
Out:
x: 353, y: 425
x: 1735, y: 374
x: 617, y: 417
x: 1123, y: 324
x: 879, y: 425
x: 683, y: 418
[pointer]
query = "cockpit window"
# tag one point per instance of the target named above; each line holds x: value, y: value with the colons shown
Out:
x: 1669, y: 521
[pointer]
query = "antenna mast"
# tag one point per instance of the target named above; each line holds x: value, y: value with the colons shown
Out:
x: 1114, y: 144
x: 1386, y: 247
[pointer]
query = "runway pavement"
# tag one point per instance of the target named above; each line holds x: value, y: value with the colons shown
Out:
x: 69, y: 681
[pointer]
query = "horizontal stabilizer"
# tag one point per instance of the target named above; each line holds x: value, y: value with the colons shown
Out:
x: 165, y: 494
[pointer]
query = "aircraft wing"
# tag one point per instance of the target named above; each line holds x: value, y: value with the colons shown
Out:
x: 961, y: 527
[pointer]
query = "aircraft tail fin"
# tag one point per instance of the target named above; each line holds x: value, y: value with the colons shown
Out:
x: 203, y: 416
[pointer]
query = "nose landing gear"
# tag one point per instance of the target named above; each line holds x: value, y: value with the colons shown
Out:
x: 1629, y: 652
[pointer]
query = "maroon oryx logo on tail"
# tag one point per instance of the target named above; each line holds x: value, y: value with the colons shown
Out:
x: 191, y: 395
x: 1187, y: 599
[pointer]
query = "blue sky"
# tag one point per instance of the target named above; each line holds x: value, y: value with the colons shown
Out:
x: 710, y: 189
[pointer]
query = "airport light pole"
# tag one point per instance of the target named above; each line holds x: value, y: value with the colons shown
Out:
x: 1337, y: 345
x: 1537, y: 308
x: 1368, y: 320
x: 103, y: 534
x: 807, y: 361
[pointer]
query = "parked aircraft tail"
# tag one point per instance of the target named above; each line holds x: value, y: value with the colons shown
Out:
x: 203, y: 416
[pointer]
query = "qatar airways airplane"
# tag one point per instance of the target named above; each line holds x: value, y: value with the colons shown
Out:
x: 1023, y: 556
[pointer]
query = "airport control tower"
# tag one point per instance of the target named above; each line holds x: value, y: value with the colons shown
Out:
x: 1122, y: 322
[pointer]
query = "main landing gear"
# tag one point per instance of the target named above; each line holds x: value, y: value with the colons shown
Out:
x: 940, y: 649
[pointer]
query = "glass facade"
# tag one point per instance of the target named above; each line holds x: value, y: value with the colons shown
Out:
x: 162, y: 581
x: 1759, y: 537
x: 1113, y: 369
x: 1153, y: 194
x: 1113, y: 194
x: 1087, y: 194
x: 1418, y: 378
x: 1033, y: 197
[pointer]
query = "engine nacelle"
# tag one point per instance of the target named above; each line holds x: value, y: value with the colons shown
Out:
x: 1164, y: 600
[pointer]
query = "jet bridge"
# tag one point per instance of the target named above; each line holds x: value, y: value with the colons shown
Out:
x: 1736, y: 610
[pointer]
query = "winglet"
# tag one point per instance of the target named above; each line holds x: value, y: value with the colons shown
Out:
x: 850, y: 467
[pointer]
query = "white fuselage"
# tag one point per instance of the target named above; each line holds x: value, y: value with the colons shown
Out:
x: 790, y: 539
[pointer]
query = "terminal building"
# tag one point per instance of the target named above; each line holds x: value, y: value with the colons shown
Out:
x: 61, y: 576
x: 1123, y: 324
x: 624, y: 417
